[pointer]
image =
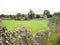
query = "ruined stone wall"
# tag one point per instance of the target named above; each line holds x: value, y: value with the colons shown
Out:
x: 21, y: 36
x: 41, y: 37
x: 54, y: 24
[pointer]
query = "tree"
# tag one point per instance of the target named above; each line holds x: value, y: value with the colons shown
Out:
x: 18, y: 14
x: 24, y: 17
x: 56, y: 14
x: 2, y: 15
x: 37, y: 16
x: 10, y: 16
x: 31, y: 14
x: 47, y: 13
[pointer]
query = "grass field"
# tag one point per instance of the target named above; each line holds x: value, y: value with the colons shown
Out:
x: 33, y: 25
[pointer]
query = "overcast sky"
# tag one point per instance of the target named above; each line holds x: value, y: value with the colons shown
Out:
x: 23, y: 6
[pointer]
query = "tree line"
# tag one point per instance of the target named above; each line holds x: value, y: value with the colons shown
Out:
x: 31, y: 15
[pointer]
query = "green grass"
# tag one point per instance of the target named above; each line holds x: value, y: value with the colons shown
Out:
x: 53, y: 37
x: 33, y: 25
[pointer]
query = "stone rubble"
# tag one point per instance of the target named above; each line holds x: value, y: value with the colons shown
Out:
x: 41, y: 37
x: 21, y: 36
